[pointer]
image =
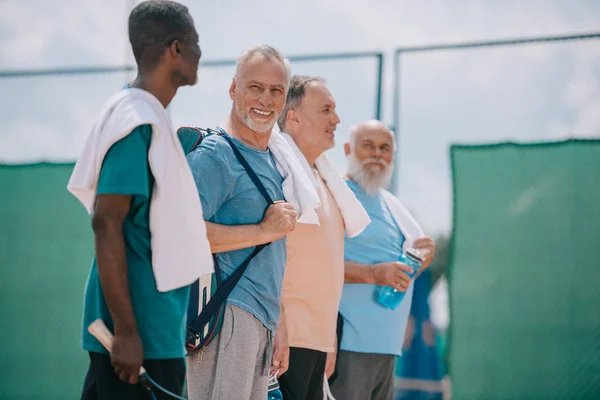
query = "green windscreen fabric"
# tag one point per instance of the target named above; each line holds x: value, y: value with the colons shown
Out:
x: 46, y: 249
x: 525, y: 272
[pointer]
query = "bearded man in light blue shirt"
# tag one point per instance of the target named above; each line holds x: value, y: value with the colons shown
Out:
x: 372, y: 335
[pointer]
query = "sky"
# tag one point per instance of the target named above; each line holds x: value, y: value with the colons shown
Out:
x: 526, y: 93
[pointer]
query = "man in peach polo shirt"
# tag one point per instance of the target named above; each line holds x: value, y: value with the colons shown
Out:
x: 314, y: 275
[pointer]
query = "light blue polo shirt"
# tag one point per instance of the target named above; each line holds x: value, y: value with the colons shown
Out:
x: 368, y: 326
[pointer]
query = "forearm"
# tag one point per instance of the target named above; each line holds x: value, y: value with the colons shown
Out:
x: 358, y: 273
x: 282, y: 324
x: 223, y: 238
x: 112, y: 271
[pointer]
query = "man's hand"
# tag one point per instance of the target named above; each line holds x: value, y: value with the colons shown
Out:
x: 279, y: 220
x: 427, y: 248
x: 330, y: 363
x: 393, y: 274
x: 281, y: 351
x: 127, y: 356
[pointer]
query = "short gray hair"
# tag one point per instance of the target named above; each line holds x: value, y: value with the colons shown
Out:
x: 295, y: 95
x: 268, y: 53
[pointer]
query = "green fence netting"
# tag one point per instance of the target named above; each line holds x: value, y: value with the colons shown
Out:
x: 524, y: 278
x: 46, y: 250
x: 525, y: 272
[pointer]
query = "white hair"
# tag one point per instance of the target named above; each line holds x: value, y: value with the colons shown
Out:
x: 352, y: 137
x: 268, y: 52
x: 355, y: 129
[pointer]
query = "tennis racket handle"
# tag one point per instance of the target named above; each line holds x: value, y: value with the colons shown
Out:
x: 104, y: 336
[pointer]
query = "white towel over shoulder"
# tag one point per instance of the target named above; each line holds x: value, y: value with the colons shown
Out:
x: 409, y: 227
x: 298, y: 189
x: 180, y: 249
x: 355, y: 217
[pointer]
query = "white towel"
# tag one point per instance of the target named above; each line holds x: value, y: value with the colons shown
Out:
x: 355, y: 217
x: 409, y: 227
x: 180, y: 249
x: 297, y: 187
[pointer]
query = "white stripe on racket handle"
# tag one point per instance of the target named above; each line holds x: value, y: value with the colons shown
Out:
x: 104, y: 336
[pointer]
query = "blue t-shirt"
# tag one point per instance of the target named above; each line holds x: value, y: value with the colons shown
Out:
x: 160, y: 316
x: 368, y: 326
x: 229, y: 197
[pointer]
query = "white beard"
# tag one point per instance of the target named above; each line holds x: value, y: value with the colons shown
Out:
x: 370, y: 179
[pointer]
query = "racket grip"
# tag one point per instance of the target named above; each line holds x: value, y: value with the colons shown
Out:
x: 104, y: 336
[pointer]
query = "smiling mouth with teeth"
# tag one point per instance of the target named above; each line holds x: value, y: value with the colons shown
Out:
x: 264, y: 113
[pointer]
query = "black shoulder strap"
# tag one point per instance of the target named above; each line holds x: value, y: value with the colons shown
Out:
x: 223, y: 291
x: 248, y: 169
x: 221, y: 294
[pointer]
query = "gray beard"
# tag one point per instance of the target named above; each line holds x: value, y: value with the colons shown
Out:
x: 256, y: 127
x: 370, y: 179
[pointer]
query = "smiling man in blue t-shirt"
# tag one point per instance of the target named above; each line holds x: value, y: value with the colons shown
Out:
x: 235, y: 365
x: 373, y: 335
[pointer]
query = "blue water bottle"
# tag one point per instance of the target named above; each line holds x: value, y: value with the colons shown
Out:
x: 274, y: 392
x: 388, y: 296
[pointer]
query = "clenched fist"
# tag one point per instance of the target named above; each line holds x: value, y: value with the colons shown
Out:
x: 279, y: 220
x: 127, y: 356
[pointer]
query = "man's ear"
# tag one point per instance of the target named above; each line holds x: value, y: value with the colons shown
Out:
x: 175, y: 49
x: 292, y: 117
x: 232, y: 89
x: 347, y: 149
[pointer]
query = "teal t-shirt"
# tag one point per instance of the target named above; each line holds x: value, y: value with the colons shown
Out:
x: 160, y: 315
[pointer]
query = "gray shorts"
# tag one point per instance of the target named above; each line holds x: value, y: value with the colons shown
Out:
x: 235, y: 366
x: 364, y: 376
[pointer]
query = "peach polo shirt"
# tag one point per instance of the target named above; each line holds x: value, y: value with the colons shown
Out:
x: 314, y: 276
